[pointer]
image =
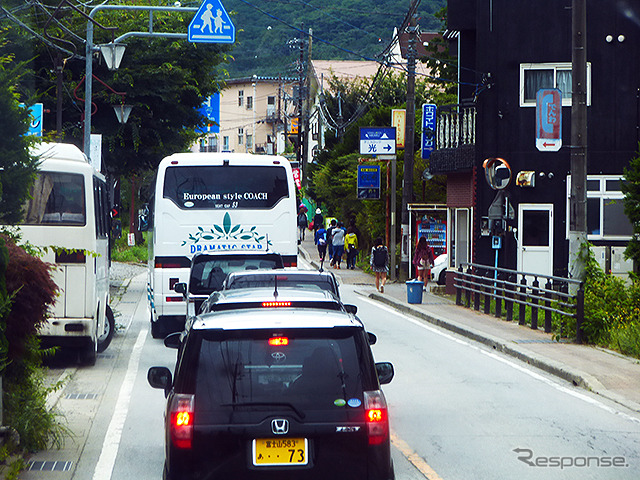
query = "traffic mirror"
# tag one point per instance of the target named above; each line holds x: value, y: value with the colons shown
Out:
x: 497, y: 172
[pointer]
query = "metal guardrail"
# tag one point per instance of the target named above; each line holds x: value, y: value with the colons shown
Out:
x: 500, y: 285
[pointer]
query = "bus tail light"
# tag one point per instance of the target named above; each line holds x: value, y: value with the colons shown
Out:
x: 181, y: 418
x: 376, y: 417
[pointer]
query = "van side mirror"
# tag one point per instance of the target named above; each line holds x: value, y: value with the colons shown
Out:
x: 172, y: 340
x: 160, y: 377
x: 143, y: 218
x: 351, y: 308
x: 372, y: 338
x: 181, y: 287
x: 385, y: 372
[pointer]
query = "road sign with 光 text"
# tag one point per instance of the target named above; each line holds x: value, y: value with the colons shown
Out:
x: 549, y: 120
x: 377, y: 140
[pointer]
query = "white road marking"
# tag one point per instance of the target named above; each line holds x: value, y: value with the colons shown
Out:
x: 508, y: 362
x: 107, y: 460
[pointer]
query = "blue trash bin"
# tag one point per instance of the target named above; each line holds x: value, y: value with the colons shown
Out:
x: 414, y: 291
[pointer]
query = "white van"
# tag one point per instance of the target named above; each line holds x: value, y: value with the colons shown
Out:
x: 68, y: 213
x: 214, y: 202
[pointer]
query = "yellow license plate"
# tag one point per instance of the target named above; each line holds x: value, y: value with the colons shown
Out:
x: 280, y: 451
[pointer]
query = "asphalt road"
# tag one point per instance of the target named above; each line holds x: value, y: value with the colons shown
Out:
x: 458, y: 409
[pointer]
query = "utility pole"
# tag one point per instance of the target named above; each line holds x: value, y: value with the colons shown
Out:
x: 299, y: 101
x: 407, y: 188
x: 305, y: 117
x: 578, y: 194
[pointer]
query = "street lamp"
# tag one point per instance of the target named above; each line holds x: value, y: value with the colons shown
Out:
x: 112, y: 54
x: 122, y: 112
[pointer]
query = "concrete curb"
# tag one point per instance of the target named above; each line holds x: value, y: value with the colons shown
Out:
x: 557, y: 369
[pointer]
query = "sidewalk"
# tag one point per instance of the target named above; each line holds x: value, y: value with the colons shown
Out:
x: 601, y: 371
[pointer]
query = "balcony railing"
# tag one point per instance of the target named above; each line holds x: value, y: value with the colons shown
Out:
x: 456, y: 126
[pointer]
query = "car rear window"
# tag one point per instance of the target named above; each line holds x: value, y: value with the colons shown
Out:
x: 284, y: 280
x: 298, y: 371
x: 208, y: 275
x: 214, y: 187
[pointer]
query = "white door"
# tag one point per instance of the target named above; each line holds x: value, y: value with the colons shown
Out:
x: 535, y: 238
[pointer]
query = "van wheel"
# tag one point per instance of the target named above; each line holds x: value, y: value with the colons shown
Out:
x: 89, y: 354
x: 157, y: 329
x: 442, y: 279
x: 104, y: 340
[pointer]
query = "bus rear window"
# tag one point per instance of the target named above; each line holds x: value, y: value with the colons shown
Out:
x: 56, y: 198
x: 225, y: 187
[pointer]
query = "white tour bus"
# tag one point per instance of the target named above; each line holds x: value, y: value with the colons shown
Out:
x: 68, y: 213
x: 214, y: 202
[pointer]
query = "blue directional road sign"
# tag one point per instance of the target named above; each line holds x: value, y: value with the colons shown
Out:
x: 211, y: 24
x: 428, y: 129
x: 377, y: 140
x: 369, y: 182
x: 211, y: 109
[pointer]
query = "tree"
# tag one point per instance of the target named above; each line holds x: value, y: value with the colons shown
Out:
x: 442, y: 66
x: 165, y: 80
x: 631, y: 189
x: 17, y: 167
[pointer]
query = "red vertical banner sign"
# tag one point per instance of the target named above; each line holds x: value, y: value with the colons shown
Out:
x: 297, y: 178
x: 549, y: 120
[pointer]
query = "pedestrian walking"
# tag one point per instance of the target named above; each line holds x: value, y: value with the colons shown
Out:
x: 423, y: 260
x: 337, y: 239
x: 333, y: 225
x: 351, y: 246
x: 379, y: 262
x: 318, y: 220
x: 320, y: 239
x: 303, y: 224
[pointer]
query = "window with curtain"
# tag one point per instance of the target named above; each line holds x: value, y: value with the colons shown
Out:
x: 534, y: 76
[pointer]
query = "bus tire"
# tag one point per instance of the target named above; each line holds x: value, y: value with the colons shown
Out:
x: 157, y: 329
x: 89, y: 354
x: 104, y: 340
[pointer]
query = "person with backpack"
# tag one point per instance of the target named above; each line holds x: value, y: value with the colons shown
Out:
x: 333, y: 225
x: 303, y: 223
x: 423, y: 261
x: 337, y: 239
x: 320, y: 239
x: 318, y: 220
x: 379, y: 262
x: 351, y: 246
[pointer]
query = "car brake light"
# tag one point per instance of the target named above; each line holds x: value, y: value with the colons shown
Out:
x: 276, y: 304
x: 181, y: 415
x: 175, y: 299
x: 376, y: 417
x: 278, y: 341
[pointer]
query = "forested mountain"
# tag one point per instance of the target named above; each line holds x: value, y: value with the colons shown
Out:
x: 267, y: 30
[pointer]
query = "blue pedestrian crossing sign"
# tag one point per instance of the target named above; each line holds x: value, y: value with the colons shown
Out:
x: 211, y: 24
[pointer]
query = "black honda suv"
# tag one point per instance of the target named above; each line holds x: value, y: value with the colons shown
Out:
x: 276, y: 394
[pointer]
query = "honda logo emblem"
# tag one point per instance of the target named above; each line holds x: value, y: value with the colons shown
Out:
x: 280, y: 426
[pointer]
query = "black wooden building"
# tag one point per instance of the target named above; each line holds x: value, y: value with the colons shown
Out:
x: 507, y: 50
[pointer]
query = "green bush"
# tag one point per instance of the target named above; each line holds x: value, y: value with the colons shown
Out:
x: 611, y: 310
x: 122, y: 252
x: 29, y: 293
